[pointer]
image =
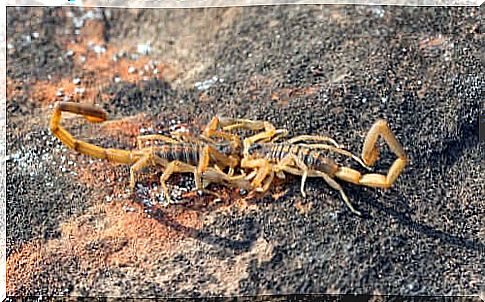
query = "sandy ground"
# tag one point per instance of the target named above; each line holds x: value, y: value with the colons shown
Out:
x: 74, y: 229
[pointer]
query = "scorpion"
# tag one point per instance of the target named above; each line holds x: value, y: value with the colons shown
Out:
x: 268, y: 159
x: 181, y: 153
x: 261, y: 152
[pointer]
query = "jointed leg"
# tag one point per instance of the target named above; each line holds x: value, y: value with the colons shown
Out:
x: 318, y: 138
x: 221, y: 159
x: 269, y: 133
x: 267, y: 182
x: 203, y: 166
x: 213, y: 176
x: 143, y: 162
x: 211, y: 130
x: 263, y: 167
x: 173, y: 167
x: 331, y: 182
x: 154, y: 137
x: 291, y: 160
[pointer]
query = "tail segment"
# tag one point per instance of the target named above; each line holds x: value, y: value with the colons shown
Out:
x: 94, y: 115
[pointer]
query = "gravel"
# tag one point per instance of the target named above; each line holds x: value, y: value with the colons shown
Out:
x: 311, y: 69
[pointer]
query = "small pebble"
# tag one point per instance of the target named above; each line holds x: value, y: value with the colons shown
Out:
x: 78, y: 90
x: 99, y: 49
x: 143, y: 49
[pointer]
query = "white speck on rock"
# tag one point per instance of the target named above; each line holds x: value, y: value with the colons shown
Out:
x: 144, y: 49
x: 79, y: 90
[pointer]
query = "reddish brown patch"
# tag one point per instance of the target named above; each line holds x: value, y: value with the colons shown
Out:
x: 13, y: 88
x: 107, y: 236
x: 22, y: 265
x: 285, y: 95
x: 93, y: 32
x: 279, y: 194
x: 102, y: 66
x: 303, y: 207
x: 432, y: 42
x: 46, y: 92
x: 146, y: 238
x: 189, y: 195
x: 94, y: 70
x: 127, y: 127
x: 245, y: 204
x: 97, y: 174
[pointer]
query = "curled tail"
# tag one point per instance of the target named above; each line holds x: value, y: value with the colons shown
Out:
x: 94, y: 115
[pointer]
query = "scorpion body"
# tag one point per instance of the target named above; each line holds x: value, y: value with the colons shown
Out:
x: 275, y: 152
x: 272, y: 159
x: 188, y: 154
x: 206, y: 158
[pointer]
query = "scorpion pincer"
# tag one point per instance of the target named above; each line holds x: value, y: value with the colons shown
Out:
x: 272, y: 159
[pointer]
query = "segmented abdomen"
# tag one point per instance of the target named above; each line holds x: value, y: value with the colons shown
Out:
x: 314, y: 159
x: 187, y: 153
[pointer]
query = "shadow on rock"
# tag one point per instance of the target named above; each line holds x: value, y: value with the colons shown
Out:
x: 230, y: 245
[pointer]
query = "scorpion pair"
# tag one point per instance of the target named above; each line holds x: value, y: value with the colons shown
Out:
x: 215, y: 155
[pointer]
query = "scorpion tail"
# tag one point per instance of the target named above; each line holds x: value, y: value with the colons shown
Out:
x: 94, y: 115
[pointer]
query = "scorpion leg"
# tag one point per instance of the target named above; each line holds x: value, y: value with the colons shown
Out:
x: 320, y: 138
x: 263, y: 166
x: 270, y: 132
x: 178, y: 167
x: 329, y: 180
x: 154, y: 137
x: 205, y: 157
x: 268, y: 182
x: 291, y: 160
x: 203, y: 166
x: 145, y: 161
x: 173, y: 167
x: 213, y: 176
x: 332, y: 183
x: 370, y: 155
x: 229, y: 173
x: 211, y: 131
